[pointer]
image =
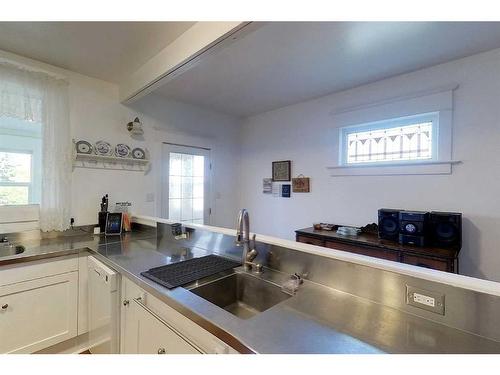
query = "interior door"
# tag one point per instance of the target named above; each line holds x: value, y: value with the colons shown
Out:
x: 186, y: 195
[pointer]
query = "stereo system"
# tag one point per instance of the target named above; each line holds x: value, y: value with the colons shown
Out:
x: 439, y: 229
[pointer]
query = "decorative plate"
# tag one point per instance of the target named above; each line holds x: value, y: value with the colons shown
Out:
x: 122, y: 150
x: 84, y: 147
x: 138, y: 153
x: 103, y: 148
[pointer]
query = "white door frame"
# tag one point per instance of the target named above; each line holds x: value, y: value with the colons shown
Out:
x: 167, y: 148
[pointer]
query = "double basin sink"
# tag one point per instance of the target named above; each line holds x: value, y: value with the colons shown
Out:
x: 240, y: 293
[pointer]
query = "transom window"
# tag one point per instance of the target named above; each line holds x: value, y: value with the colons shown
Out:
x: 396, y: 140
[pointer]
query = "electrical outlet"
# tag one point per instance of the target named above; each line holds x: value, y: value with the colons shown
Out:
x: 425, y: 299
x: 150, y: 197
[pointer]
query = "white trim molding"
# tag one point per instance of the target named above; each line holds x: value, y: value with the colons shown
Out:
x: 394, y: 169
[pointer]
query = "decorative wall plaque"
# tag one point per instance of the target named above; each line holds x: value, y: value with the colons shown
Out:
x: 301, y: 184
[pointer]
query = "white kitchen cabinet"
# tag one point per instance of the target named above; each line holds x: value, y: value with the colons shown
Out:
x: 149, y: 325
x: 38, y: 313
x: 153, y: 335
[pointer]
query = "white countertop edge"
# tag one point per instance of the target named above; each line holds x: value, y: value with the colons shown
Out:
x: 459, y: 281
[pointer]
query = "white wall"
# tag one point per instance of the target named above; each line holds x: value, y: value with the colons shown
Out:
x: 303, y: 133
x: 95, y: 114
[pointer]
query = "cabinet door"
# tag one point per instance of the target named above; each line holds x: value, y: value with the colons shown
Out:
x: 38, y: 313
x: 154, y: 336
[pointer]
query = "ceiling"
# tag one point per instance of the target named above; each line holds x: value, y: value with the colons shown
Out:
x: 106, y: 50
x: 284, y: 63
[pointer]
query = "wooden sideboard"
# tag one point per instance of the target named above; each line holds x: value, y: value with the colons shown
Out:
x: 369, y: 244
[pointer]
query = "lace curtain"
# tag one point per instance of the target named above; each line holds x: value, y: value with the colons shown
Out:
x: 40, y: 97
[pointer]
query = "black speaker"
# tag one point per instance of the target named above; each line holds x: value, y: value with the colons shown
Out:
x: 446, y: 229
x: 388, y: 224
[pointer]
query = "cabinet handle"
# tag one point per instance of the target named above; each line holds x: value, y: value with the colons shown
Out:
x: 162, y: 351
x: 4, y: 306
x: 126, y: 302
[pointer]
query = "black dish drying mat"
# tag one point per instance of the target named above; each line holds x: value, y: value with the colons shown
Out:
x: 181, y: 273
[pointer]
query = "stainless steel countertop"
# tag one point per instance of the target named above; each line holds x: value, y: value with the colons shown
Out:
x: 317, y: 319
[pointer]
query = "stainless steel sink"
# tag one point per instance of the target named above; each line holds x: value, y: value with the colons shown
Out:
x: 10, y: 249
x: 241, y: 294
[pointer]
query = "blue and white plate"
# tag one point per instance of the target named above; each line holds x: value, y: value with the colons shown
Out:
x: 122, y: 150
x: 103, y: 148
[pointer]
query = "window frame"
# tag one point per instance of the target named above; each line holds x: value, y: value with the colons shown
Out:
x: 29, y: 184
x: 390, y: 123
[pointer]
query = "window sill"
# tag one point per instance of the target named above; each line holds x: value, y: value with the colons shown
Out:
x: 394, y: 169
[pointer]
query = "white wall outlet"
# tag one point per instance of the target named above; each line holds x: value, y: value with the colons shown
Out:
x: 425, y: 299
x: 150, y: 197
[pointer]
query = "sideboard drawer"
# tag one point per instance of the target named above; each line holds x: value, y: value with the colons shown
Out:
x: 310, y: 240
x: 372, y: 252
x: 435, y: 264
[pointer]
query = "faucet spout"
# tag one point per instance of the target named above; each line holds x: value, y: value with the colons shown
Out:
x: 249, y: 252
x: 243, y: 228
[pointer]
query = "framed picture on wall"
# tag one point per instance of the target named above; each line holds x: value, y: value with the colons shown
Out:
x: 300, y: 184
x: 282, y: 170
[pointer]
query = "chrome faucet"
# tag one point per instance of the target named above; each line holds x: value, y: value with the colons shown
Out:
x: 243, y: 239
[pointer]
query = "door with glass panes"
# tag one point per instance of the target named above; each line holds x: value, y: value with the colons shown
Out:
x: 186, y: 184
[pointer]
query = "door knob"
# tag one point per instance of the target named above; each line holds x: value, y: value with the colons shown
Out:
x: 4, y: 306
x: 162, y: 351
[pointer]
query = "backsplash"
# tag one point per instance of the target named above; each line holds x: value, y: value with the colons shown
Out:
x: 464, y: 309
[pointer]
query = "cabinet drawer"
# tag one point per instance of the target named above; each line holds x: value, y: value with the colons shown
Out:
x: 435, y: 264
x: 372, y: 252
x: 38, y: 313
x: 310, y: 240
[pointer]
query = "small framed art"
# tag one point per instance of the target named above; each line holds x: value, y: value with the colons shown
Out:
x: 282, y: 170
x: 300, y: 184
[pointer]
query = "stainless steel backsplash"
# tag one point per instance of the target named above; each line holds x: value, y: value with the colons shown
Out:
x: 475, y: 312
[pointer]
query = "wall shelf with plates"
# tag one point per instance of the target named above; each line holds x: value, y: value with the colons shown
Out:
x: 92, y: 160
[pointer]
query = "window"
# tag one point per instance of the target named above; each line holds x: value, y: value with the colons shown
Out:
x: 20, y: 161
x: 187, y: 186
x: 407, y: 139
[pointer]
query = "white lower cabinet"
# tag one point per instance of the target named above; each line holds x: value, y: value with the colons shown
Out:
x: 149, y: 326
x: 153, y: 335
x: 38, y: 313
